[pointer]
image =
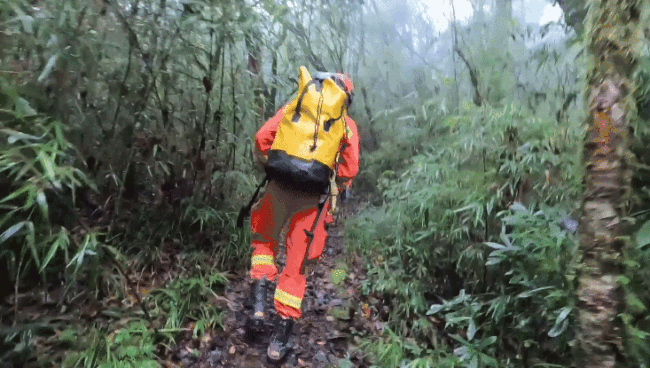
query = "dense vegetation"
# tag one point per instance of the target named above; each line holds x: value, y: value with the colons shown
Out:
x: 126, y: 150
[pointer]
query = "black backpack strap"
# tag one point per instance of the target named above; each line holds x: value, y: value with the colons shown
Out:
x: 328, y: 124
x: 296, y: 114
x: 342, y: 146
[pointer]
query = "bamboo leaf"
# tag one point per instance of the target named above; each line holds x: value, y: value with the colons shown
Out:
x: 42, y: 203
x: 31, y: 242
x: 24, y: 109
x: 15, y: 136
x: 435, y: 308
x: 11, y: 231
x: 61, y: 242
x: 561, y: 322
x: 642, y: 237
x: 16, y: 193
x: 48, y: 68
x: 529, y: 293
x: 27, y: 22
x: 518, y: 207
x: 495, y: 245
x: 474, y: 362
x: 471, y: 330
x: 48, y: 165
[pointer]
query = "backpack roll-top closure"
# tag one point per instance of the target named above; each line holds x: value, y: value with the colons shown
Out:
x: 321, y: 100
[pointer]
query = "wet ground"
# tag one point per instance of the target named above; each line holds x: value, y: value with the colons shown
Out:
x: 333, y: 318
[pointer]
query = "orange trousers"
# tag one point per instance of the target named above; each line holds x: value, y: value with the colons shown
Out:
x: 281, y: 205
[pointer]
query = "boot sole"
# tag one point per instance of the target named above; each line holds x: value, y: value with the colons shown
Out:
x: 283, y: 355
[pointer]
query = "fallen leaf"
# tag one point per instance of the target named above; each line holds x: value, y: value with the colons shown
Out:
x: 232, y: 350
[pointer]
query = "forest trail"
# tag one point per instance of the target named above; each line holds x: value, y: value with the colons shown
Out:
x: 332, y: 315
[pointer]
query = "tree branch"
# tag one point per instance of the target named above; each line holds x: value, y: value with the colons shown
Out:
x: 473, y: 75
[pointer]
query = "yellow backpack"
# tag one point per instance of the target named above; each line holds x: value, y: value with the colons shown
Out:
x: 308, y: 140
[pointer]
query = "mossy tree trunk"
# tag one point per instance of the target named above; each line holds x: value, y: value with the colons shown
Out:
x: 612, y: 29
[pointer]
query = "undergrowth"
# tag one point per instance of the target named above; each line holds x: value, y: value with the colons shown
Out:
x: 474, y: 245
x: 56, y: 240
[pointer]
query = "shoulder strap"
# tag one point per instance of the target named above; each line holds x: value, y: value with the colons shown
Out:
x: 342, y: 146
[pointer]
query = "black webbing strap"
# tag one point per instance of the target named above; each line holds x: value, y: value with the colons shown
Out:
x: 328, y: 123
x: 296, y: 114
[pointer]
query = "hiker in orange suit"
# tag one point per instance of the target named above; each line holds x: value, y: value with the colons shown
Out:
x: 296, y: 190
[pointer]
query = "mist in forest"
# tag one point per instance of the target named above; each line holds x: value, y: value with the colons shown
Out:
x: 498, y: 219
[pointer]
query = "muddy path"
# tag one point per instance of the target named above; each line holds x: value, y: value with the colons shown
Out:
x: 333, y: 317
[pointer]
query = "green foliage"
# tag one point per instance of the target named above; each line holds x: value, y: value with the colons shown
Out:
x: 129, y: 346
x: 395, y: 351
x: 425, y: 241
x: 190, y: 298
x: 37, y: 210
x: 132, y: 342
x: 233, y: 252
x: 635, y: 283
x: 473, y: 205
x: 16, y: 343
x: 338, y: 274
x: 534, y: 269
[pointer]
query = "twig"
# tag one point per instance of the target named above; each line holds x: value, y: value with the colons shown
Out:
x: 136, y: 294
x: 20, y: 265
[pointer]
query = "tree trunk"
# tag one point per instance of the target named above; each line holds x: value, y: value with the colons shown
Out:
x: 454, y: 47
x: 607, y: 179
x: 255, y: 71
x: 504, y: 9
x: 270, y: 109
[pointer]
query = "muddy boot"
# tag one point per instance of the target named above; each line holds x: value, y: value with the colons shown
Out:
x: 279, y: 345
x: 257, y: 300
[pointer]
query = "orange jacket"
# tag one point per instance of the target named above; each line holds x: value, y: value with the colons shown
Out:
x: 348, y: 165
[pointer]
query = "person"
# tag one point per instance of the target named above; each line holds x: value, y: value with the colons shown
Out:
x: 299, y: 205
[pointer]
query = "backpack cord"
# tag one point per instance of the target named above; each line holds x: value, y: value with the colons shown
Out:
x: 320, y: 106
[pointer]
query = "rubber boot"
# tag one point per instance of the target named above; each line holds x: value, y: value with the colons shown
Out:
x: 258, y: 300
x: 279, y: 345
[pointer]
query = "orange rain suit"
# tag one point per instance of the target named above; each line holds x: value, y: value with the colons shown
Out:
x: 283, y: 203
